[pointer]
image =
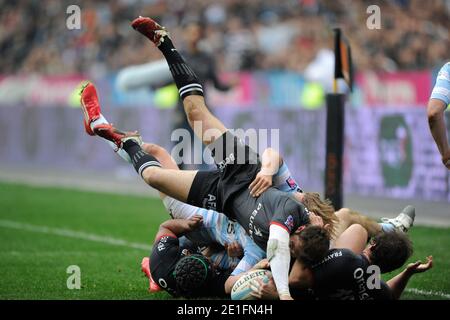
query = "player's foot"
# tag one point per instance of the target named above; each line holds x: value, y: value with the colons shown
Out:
x: 404, y: 221
x: 89, y: 105
x: 108, y: 132
x: 151, y: 29
x: 145, y: 267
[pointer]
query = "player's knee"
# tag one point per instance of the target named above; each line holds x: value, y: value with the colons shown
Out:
x: 151, y: 148
x: 195, y: 110
x: 151, y: 176
x: 358, y: 229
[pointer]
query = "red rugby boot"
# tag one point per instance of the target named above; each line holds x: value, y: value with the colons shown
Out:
x: 145, y: 267
x: 151, y: 29
x: 89, y: 105
x: 108, y: 132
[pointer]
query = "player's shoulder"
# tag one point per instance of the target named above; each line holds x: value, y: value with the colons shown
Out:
x: 165, y: 242
x: 444, y: 72
x: 339, y: 255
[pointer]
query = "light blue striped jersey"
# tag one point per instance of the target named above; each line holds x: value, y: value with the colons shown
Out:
x: 441, y: 89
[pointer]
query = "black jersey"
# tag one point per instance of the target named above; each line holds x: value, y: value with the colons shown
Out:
x: 343, y: 275
x: 256, y: 215
x: 166, y: 253
x: 226, y: 190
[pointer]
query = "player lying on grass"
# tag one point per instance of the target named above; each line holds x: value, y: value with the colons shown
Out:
x: 268, y: 218
x: 181, y: 267
x: 348, y: 272
x: 218, y: 229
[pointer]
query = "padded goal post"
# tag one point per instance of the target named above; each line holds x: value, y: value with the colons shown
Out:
x: 336, y: 121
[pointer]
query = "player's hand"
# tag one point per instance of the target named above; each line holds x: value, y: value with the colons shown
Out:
x: 195, y: 222
x: 286, y: 297
x: 419, y: 267
x: 264, y: 291
x: 315, y: 220
x: 446, y: 159
x: 234, y: 249
x: 263, y: 264
x: 261, y: 183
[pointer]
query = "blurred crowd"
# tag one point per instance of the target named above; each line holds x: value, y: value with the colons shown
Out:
x: 241, y: 35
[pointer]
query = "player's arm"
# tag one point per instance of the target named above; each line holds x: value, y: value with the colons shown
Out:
x: 252, y: 254
x: 399, y: 282
x: 271, y: 161
x: 353, y: 238
x: 439, y: 100
x: 279, y: 258
x: 178, y: 227
x: 436, y: 121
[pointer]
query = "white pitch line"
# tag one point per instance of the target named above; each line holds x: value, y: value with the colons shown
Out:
x: 428, y: 293
x: 119, y: 242
x: 73, y: 234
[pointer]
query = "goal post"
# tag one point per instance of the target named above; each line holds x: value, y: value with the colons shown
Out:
x: 335, y: 123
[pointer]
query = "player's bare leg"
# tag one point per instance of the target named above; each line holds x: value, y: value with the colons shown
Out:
x: 347, y: 217
x: 189, y: 87
x: 403, y: 222
x: 173, y: 182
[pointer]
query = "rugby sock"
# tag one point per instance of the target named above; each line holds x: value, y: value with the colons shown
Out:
x: 120, y: 152
x: 139, y: 158
x: 185, y: 78
x: 387, y: 227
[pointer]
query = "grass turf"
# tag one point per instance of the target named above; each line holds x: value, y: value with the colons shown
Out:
x: 33, y: 264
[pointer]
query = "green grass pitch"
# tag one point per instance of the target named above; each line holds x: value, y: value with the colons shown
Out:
x: 34, y: 257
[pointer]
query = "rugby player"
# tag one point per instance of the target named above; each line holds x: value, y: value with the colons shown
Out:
x: 439, y: 100
x: 269, y: 219
x: 347, y: 272
x: 181, y: 268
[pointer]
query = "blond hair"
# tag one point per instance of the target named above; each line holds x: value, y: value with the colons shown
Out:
x: 322, y: 208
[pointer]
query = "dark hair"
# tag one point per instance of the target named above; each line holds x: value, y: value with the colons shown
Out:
x: 191, y: 274
x: 315, y: 244
x: 390, y: 250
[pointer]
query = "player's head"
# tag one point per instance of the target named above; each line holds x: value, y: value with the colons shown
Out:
x: 322, y: 208
x: 192, y: 273
x: 310, y: 245
x: 389, y: 250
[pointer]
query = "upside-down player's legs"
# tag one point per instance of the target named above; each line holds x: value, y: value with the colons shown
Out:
x: 208, y: 127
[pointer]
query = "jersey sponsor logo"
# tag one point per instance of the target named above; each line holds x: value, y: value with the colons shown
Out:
x: 210, y: 202
x: 334, y: 255
x: 289, y: 223
x: 230, y: 228
x: 162, y: 243
x: 291, y: 183
x: 221, y: 165
x: 161, y: 246
x: 252, y: 220
x: 257, y: 232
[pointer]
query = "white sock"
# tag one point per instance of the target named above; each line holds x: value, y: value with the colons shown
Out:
x: 122, y: 153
